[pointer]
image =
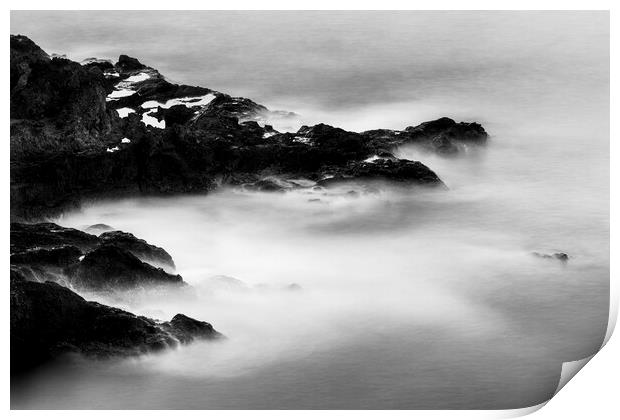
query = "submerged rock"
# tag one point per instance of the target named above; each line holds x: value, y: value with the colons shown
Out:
x: 229, y: 283
x: 560, y: 256
x: 271, y: 184
x: 48, y: 320
x: 99, y: 228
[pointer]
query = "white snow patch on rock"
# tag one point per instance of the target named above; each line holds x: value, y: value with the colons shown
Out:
x: 125, y: 87
x: 123, y: 112
x: 267, y: 135
x: 120, y: 93
x: 147, y: 119
x: 188, y: 102
x: 126, y: 140
x: 112, y: 150
x: 140, y: 77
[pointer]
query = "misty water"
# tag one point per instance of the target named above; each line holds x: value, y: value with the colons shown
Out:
x: 404, y: 298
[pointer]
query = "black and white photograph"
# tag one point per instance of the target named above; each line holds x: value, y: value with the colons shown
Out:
x: 306, y: 209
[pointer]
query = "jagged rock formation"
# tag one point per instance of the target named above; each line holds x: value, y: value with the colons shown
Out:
x: 102, y: 128
x: 113, y: 261
x: 48, y: 320
x: 110, y: 267
x: 138, y: 247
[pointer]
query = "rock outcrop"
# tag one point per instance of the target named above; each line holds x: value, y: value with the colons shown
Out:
x: 112, y: 268
x: 48, y: 320
x: 138, y: 247
x: 111, y: 262
x: 108, y: 129
x: 26, y: 236
x: 559, y: 256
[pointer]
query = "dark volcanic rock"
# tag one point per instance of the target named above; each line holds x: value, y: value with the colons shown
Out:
x: 112, y: 268
x: 59, y: 120
x: 49, y: 235
x: 186, y: 329
x: 37, y: 236
x: 40, y: 264
x: 139, y: 247
x: 60, y: 256
x: 442, y: 135
x: 177, y: 114
x: 56, y: 104
x: 240, y: 108
x: 126, y: 63
x: 66, y: 138
x: 399, y: 170
x: 48, y: 320
x: 49, y: 252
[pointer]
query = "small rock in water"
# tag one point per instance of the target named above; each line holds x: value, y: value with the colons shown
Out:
x: 560, y: 256
x: 221, y: 282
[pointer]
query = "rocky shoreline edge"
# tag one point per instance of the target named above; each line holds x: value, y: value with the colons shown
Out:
x: 50, y: 264
x: 99, y: 128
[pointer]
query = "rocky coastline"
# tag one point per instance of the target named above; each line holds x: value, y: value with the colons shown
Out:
x: 97, y: 129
